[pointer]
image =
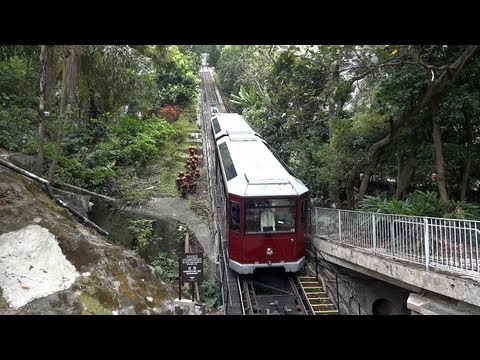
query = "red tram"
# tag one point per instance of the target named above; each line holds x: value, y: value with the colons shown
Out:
x: 266, y: 205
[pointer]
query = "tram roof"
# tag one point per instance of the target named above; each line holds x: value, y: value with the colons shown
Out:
x: 258, y: 172
x: 231, y: 123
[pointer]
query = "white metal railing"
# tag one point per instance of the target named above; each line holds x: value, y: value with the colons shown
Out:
x: 449, y: 244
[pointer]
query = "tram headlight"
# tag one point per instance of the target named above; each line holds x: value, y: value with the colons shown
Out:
x: 269, y: 252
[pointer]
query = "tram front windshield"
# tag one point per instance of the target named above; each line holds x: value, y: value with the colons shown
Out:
x: 270, y: 215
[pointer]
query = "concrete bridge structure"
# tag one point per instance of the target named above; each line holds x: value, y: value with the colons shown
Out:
x: 433, y: 263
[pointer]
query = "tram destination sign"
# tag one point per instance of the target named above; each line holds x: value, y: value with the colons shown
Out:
x: 191, y: 267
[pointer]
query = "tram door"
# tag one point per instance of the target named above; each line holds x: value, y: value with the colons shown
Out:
x: 234, y: 230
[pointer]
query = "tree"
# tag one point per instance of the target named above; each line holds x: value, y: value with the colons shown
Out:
x: 68, y: 87
x: 41, y: 111
x: 435, y: 89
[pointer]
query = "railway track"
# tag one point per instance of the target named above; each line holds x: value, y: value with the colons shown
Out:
x: 272, y: 292
x: 269, y: 292
x: 261, y: 295
x: 211, y: 100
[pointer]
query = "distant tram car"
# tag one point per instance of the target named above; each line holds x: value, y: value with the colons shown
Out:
x: 266, y: 205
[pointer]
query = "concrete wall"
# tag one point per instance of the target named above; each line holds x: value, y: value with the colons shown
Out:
x: 81, y: 203
x: 375, y: 297
x: 406, y: 275
x: 26, y: 162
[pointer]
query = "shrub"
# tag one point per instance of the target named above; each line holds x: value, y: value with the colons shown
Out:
x: 187, y: 181
x: 211, y: 293
x: 70, y: 171
x: 421, y: 203
x: 170, y: 112
x: 142, y: 231
x: 166, y: 267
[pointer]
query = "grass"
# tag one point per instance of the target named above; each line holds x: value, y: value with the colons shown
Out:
x: 158, y: 177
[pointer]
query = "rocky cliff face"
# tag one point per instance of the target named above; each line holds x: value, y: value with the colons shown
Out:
x: 51, y: 264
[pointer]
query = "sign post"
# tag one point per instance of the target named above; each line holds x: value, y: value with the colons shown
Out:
x: 191, y: 269
x: 180, y: 278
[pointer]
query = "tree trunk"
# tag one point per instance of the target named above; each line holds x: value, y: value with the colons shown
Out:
x: 93, y: 111
x: 50, y: 78
x: 439, y: 160
x: 25, y: 80
x: 366, y: 178
x: 468, y: 157
x: 68, y: 67
x: 435, y: 88
x: 406, y: 169
x: 332, y: 105
x: 41, y: 112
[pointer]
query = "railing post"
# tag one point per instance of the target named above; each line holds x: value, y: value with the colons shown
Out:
x: 374, y: 233
x: 339, y: 227
x: 316, y: 263
x: 338, y: 292
x: 427, y: 244
x: 316, y: 222
x: 392, y: 235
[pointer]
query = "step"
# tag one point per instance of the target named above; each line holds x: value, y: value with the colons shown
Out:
x: 319, y: 298
x: 326, y: 311
x: 312, y: 287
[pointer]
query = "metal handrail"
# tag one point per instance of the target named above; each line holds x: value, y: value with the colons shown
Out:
x: 447, y: 244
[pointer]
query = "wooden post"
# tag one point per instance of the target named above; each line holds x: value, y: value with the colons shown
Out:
x: 180, y: 278
x: 197, y: 292
x: 187, y: 244
x: 187, y: 250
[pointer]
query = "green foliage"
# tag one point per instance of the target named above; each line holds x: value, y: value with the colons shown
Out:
x: 245, y: 98
x: 142, y: 231
x: 400, y: 89
x: 76, y: 139
x: 182, y: 230
x: 211, y: 293
x: 177, y: 80
x: 111, y: 77
x: 18, y: 85
x: 328, y: 168
x: 421, y: 203
x: 158, y: 176
x: 213, y: 52
x: 231, y: 67
x: 17, y: 129
x: 100, y: 178
x: 71, y: 171
x: 133, y: 142
x: 462, y: 210
x: 166, y: 267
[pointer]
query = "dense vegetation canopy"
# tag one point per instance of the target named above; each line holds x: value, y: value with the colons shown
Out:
x: 378, y: 127
x: 391, y: 127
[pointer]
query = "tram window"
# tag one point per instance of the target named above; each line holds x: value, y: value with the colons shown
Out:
x: 216, y: 125
x: 234, y: 216
x: 270, y: 215
x: 285, y: 218
x: 230, y: 171
x: 252, y: 220
x: 303, y: 216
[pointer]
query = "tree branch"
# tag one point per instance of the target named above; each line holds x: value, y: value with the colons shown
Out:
x: 434, y: 89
